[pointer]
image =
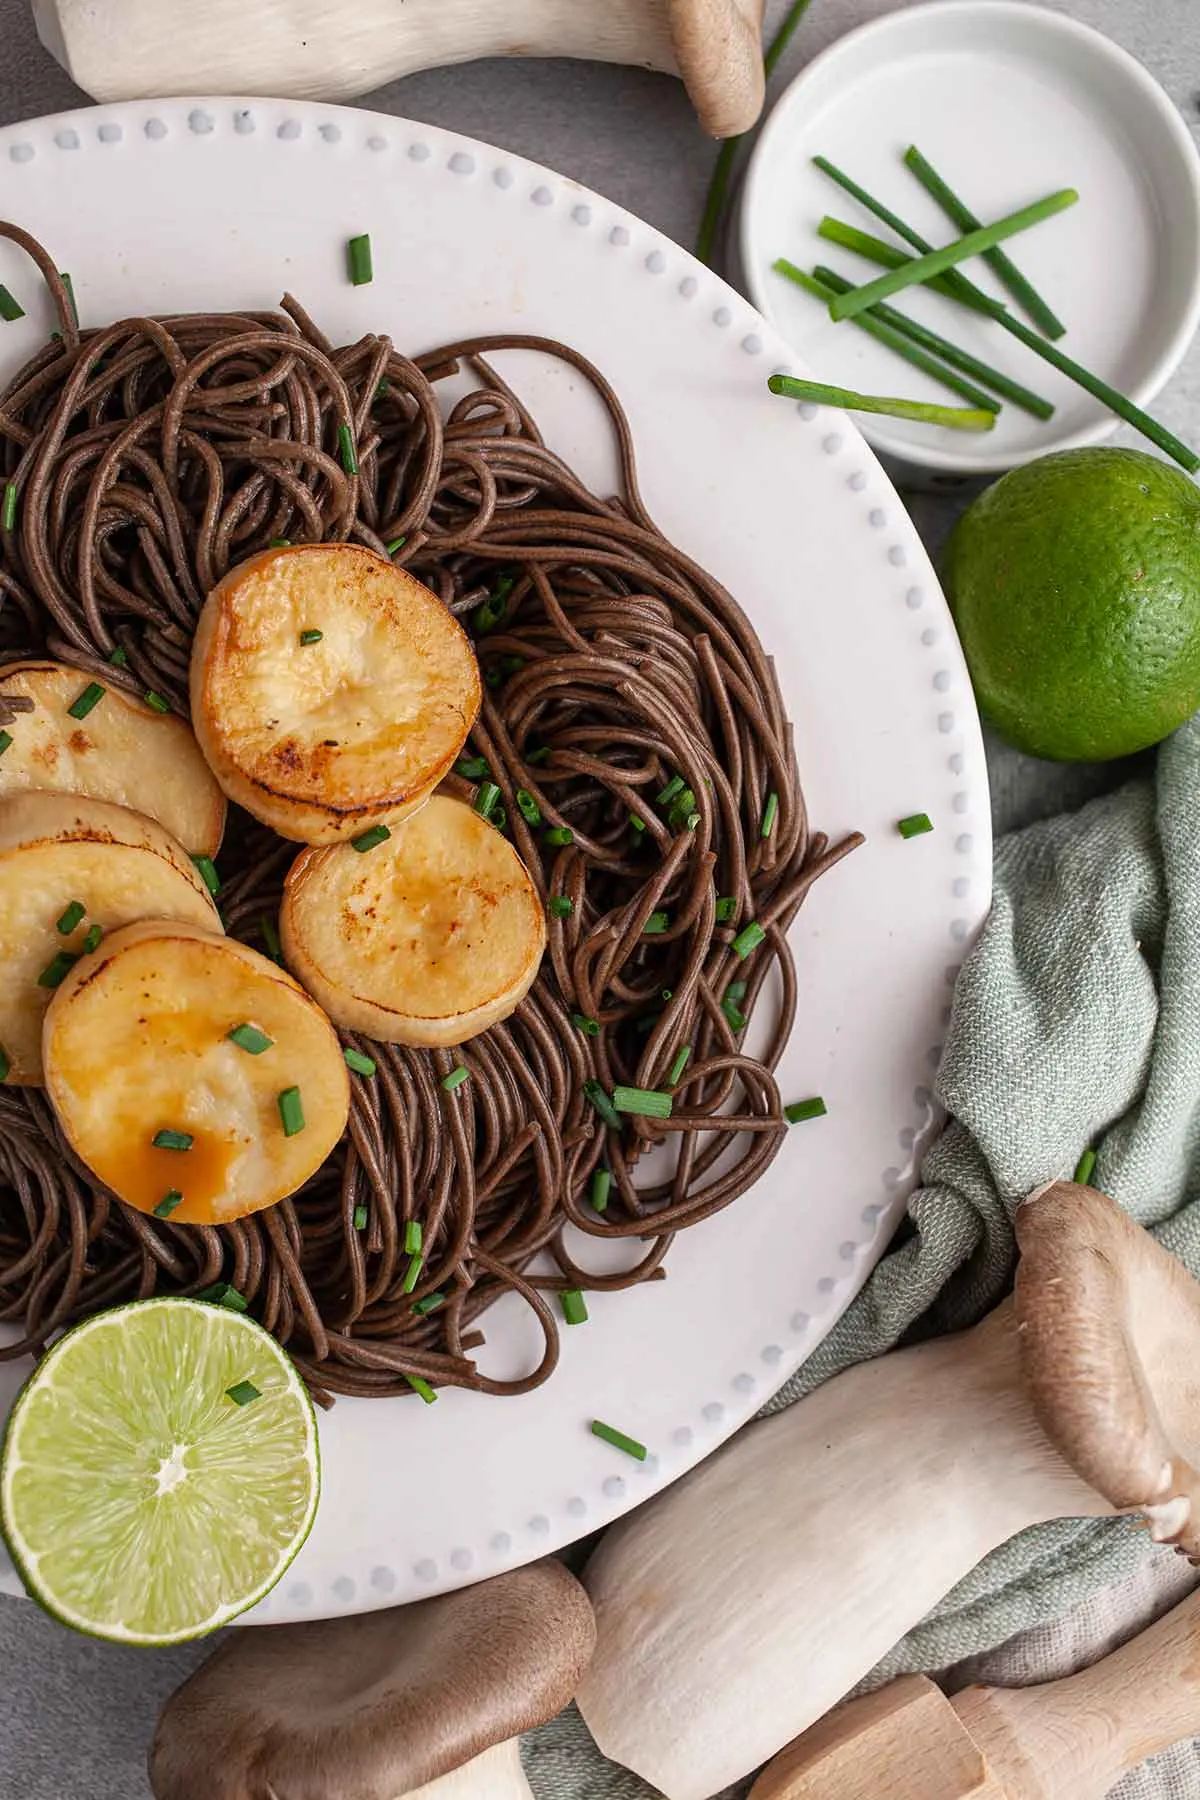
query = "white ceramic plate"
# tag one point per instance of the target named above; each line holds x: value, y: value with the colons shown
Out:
x: 1008, y: 102
x: 166, y: 206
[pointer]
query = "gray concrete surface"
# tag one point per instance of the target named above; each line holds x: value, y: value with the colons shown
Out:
x: 75, y: 1717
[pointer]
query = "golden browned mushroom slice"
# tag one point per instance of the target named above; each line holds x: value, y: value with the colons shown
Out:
x: 423, y: 1702
x: 718, y: 45
x: 727, y: 1624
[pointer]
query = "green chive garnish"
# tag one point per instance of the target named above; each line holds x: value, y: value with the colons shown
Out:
x: 370, y: 840
x: 486, y: 798
x: 412, y: 1236
x: 93, y: 693
x: 242, y: 1393
x: 57, y: 969
x: 748, y: 938
x: 69, y: 918
x: 166, y: 1206
x: 429, y: 1304
x: 5, y: 1065
x: 589, y: 1027
x: 9, y: 518
x: 673, y: 787
x: 726, y: 909
x: 358, y: 260
x: 530, y: 811
x: 635, y: 823
x: 646, y: 1103
x: 346, y: 447
x: 736, y: 991
x: 656, y: 924
x: 561, y: 906
x: 92, y: 940
x: 396, y: 544
x: 10, y: 309
x: 360, y: 1218
x: 291, y: 1112
x: 560, y: 835
x: 490, y: 612
x: 455, y: 1078
x: 599, y: 1190
x: 70, y: 287
x: 419, y: 1385
x: 206, y: 868
x: 222, y: 1294
x: 603, y: 1105
x: 169, y: 1139
x: 279, y: 544
x: 413, y: 1273
x: 692, y: 821
x: 311, y: 637
x: 250, y: 1039
x: 381, y: 393
x: 511, y: 665
x: 360, y: 1064
x: 770, y: 811
x: 735, y: 1017
x: 799, y: 1110
x: 155, y: 702
x: 915, y: 825
x: 5, y: 741
x: 618, y: 1440
x: 535, y: 758
x: 954, y: 418
x: 471, y: 768
x: 1085, y: 1168
x: 684, y: 803
x: 119, y: 658
x: 574, y: 1306
x: 680, y: 1064
x: 270, y: 937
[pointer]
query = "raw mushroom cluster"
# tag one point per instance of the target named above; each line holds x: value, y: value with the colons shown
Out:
x: 331, y: 694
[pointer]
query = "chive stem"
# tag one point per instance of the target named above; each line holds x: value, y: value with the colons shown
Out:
x: 595, y: 1092
x: 92, y: 939
x: 1085, y: 1168
x: 10, y: 308
x: 598, y: 1192
x: 412, y: 1274
x: 915, y: 825
x: 70, y: 287
x: 92, y: 694
x: 589, y: 1027
x: 242, y: 1393
x: 70, y: 917
x: 645, y: 1103
x: 167, y: 1205
x: 770, y: 813
x: 222, y: 1293
x: 57, y: 969
x: 155, y: 701
x: 574, y: 1306
x: 956, y: 418
x: 680, y: 1064
x: 270, y: 937
x: 311, y: 636
x: 486, y: 798
x: 726, y: 909
x: 419, y: 1385
x: 656, y: 924
x: 6, y: 738
x: 561, y: 906
x: 429, y: 1304
x: 206, y: 868
x: 346, y: 450
x: 360, y: 1218
x: 370, y: 840
x: 954, y: 281
x: 291, y: 1112
x: 413, y: 1235
x: 799, y: 1110
x: 358, y: 1063
x: 168, y: 1139
x: 618, y: 1440
x: 748, y: 938
x: 455, y: 1078
x: 358, y: 260
x: 560, y: 836
x: 9, y: 518
x: 250, y: 1039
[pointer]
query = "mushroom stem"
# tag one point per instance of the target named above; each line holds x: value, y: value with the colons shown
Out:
x: 496, y: 1775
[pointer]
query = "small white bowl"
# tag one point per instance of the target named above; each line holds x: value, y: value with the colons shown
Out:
x: 1008, y: 102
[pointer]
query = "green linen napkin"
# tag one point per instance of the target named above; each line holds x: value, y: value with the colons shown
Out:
x: 1076, y: 1021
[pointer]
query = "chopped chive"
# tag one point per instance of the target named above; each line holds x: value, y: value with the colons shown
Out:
x: 222, y: 1294
x: 530, y: 811
x: 93, y: 693
x: 5, y: 1065
x: 360, y: 1218
x: 618, y: 1440
x: 692, y: 821
x: 1085, y: 1168
x: 673, y: 787
x: 726, y: 909
x: 279, y: 544
x: 250, y: 1039
x: 560, y: 835
x: 169, y: 1139
x: 270, y: 937
x: 6, y: 739
x: 574, y: 1306
x: 599, y: 1190
x: 561, y: 906
x: 748, y: 938
x: 9, y: 518
x: 155, y: 701
x: 396, y: 544
x: 680, y: 1064
x: 92, y: 940
x: 370, y: 840
x: 770, y: 813
x: 70, y: 287
x: 683, y: 804
x: 291, y: 1112
x: 645, y: 1103
x: 492, y: 678
x: 311, y: 636
x: 800, y: 1110
x: 412, y: 1236
x: 589, y: 1027
x: 1006, y: 270
x: 635, y: 823
x: 492, y: 610
x: 486, y: 798
x: 206, y: 868
x: 500, y: 819
x: 360, y: 1064
x: 656, y: 924
x: 119, y: 658
x: 736, y: 990
x: 954, y: 282
x: 419, y: 1385
x: 346, y: 448
x: 455, y: 1078
x: 535, y: 758
x: 384, y: 389
x: 603, y: 1105
x: 242, y: 1393
x: 429, y: 1304
x: 57, y: 969
x: 166, y: 1206
x: 69, y: 918
x: 734, y: 1015
x: 915, y: 825
x: 10, y: 308
x: 471, y: 768
x: 511, y: 665
x: 358, y: 260
x: 412, y: 1274
x: 819, y: 393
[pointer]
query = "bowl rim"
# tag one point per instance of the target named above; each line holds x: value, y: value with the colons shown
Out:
x: 1176, y: 341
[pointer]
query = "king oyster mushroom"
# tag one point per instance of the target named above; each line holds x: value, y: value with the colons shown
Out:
x: 421, y: 1702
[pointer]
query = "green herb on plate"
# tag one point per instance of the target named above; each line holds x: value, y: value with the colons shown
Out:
x: 818, y: 393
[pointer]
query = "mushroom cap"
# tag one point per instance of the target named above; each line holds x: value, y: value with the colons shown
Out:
x: 377, y: 1705
x: 718, y: 46
x: 1109, y: 1332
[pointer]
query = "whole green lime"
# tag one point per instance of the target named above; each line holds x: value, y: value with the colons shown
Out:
x: 1075, y: 585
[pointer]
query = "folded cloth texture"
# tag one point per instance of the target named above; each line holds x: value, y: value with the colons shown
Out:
x: 1076, y: 1023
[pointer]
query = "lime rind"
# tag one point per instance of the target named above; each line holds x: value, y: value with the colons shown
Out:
x: 139, y: 1503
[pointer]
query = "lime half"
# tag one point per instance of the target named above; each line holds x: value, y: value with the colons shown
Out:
x: 160, y: 1471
